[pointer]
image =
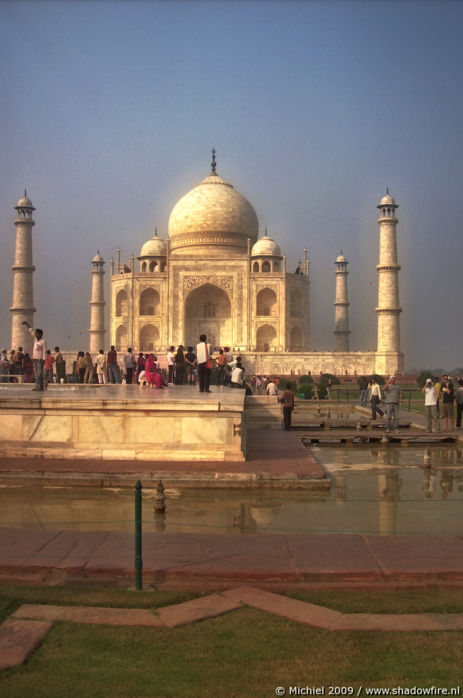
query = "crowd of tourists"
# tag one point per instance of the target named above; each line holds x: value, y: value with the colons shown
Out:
x: 193, y: 366
x: 440, y: 399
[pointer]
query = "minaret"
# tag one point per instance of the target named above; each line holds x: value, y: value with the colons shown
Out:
x: 388, y: 356
x: 97, y: 305
x: 23, y: 269
x: 341, y: 306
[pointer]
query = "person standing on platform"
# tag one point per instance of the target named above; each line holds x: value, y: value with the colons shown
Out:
x: 48, y: 368
x: 221, y: 361
x: 190, y: 363
x: 287, y: 401
x: 170, y: 364
x: 393, y: 396
x: 363, y: 385
x: 113, y: 368
x: 129, y: 363
x: 179, y: 365
x: 203, y: 357
x: 60, y: 366
x: 375, y: 399
x: 39, y: 353
x: 459, y: 401
x: 430, y: 407
x: 100, y: 363
x: 448, y: 397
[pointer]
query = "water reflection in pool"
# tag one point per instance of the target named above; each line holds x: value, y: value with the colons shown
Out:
x: 391, y: 490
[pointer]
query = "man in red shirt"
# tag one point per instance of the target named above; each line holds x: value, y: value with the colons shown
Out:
x: 113, y: 368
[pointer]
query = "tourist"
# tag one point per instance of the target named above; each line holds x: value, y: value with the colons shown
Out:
x: 129, y: 363
x: 375, y: 398
x: 88, y: 375
x: 315, y: 394
x: 430, y: 407
x: 271, y: 388
x: 438, y: 386
x: 113, y: 368
x: 287, y: 401
x: 393, y: 398
x: 60, y: 366
x: 153, y: 375
x: 140, y: 366
x: 18, y: 364
x: 259, y: 385
x: 48, y: 368
x: 100, y: 363
x: 179, y: 360
x: 190, y: 363
x: 237, y: 376
x: 80, y: 367
x: 459, y: 401
x: 229, y: 359
x: 203, y: 357
x: 39, y: 352
x: 221, y: 361
x: 447, y: 401
x: 170, y: 364
x: 3, y: 366
x: 28, y: 366
x: 329, y: 385
x: 363, y: 386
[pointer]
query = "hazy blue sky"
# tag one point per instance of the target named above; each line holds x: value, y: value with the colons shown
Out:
x: 109, y: 111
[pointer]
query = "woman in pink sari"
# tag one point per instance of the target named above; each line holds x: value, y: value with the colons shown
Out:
x: 153, y: 375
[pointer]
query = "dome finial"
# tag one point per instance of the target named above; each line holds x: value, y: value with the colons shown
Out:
x: 213, y: 162
x: 265, y: 233
x: 155, y: 232
x: 387, y: 190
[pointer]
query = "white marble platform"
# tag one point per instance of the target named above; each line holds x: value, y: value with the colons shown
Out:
x: 122, y: 422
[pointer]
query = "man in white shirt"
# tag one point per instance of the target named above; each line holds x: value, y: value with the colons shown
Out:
x: 430, y: 406
x: 271, y: 388
x: 203, y: 358
x: 39, y: 353
x: 100, y: 362
x: 170, y: 364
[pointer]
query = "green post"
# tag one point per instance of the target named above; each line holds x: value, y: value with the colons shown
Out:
x: 138, y: 553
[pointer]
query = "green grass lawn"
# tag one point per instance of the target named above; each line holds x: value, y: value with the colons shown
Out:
x: 243, y: 653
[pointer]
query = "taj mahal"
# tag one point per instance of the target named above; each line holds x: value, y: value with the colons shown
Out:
x: 214, y: 275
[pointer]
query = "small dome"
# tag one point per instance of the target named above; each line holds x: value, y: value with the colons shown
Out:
x: 155, y: 247
x: 98, y: 258
x: 387, y: 200
x: 25, y: 202
x: 341, y: 258
x: 267, y: 247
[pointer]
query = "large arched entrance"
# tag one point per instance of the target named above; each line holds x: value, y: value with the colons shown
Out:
x: 208, y: 311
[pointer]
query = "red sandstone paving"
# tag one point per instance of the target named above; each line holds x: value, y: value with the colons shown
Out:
x: 417, y: 554
x: 197, y: 609
x: 91, y: 615
x: 18, y: 638
x: 299, y: 611
x: 231, y: 558
x: 347, y: 555
x: 407, y: 622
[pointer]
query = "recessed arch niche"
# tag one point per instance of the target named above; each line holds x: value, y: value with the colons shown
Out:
x: 208, y: 311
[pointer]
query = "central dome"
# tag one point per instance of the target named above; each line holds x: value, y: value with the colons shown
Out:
x: 211, y: 217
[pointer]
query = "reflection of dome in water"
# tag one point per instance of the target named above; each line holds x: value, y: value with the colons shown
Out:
x: 210, y: 215
x: 264, y: 514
